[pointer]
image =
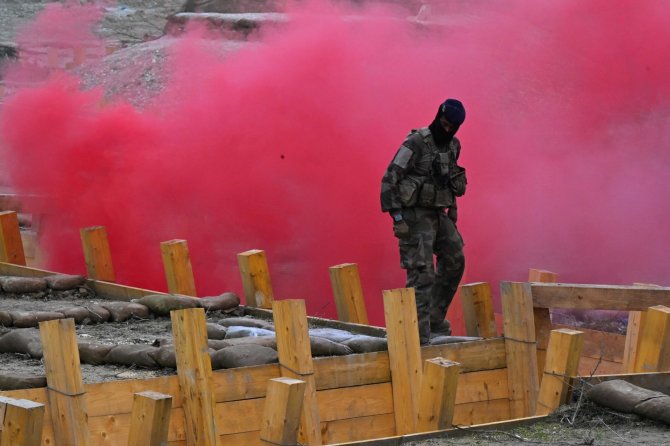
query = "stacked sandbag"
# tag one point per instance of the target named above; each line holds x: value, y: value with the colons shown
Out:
x: 625, y: 397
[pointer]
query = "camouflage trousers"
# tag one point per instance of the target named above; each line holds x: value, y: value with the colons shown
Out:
x: 434, y: 282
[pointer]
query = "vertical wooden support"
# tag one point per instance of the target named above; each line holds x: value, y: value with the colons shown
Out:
x: 281, y: 414
x: 349, y: 301
x: 636, y: 320
x: 295, y: 360
x: 67, y: 402
x: 22, y: 422
x: 565, y: 348
x: 177, y: 266
x: 654, y: 348
x: 255, y: 278
x: 194, y: 370
x: 520, y: 347
x: 542, y: 318
x: 402, y: 332
x: 438, y: 394
x: 11, y: 246
x: 150, y: 419
x: 97, y: 255
x: 478, y: 310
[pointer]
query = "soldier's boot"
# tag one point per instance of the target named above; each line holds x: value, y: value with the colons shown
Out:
x: 442, y: 328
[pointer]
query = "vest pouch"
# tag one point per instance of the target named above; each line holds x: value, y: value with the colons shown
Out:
x: 457, y: 180
x: 427, y: 195
x: 443, y: 163
x: 443, y: 198
x: 408, y: 191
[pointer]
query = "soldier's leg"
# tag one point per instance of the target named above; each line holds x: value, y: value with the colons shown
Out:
x: 449, y: 270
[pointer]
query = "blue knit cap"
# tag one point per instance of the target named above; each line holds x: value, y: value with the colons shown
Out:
x: 453, y: 110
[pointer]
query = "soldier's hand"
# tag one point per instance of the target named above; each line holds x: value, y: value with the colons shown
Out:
x: 453, y: 214
x: 400, y: 229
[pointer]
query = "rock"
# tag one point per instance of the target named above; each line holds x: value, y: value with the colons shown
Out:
x: 366, y: 344
x: 224, y: 302
x: 325, y: 347
x: 122, y: 311
x: 19, y: 285
x: 132, y: 354
x: 62, y: 282
x: 244, y: 322
x: 162, y: 304
x: 243, y: 356
x: 25, y: 319
x: 91, y: 353
x: 22, y: 340
x: 332, y: 334
x: 215, y: 331
x: 10, y: 381
x: 240, y: 332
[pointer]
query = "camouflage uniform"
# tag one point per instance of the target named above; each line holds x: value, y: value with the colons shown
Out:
x: 421, y: 183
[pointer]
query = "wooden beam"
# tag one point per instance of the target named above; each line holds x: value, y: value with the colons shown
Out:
x: 150, y: 419
x: 255, y: 278
x: 11, y: 246
x: 404, y: 356
x: 478, y: 310
x: 67, y: 402
x: 519, y: 332
x: 281, y: 415
x: 542, y: 318
x: 194, y: 369
x: 636, y: 320
x: 349, y: 300
x: 295, y: 360
x: 438, y: 395
x: 542, y: 275
x: 177, y: 266
x: 598, y: 297
x: 97, y: 255
x: 565, y: 348
x: 21, y: 422
x: 654, y: 351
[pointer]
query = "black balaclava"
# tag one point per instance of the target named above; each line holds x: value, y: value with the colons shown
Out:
x: 453, y: 110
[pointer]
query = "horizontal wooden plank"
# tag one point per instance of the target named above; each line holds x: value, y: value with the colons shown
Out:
x: 598, y: 297
x: 354, y: 429
x: 351, y: 370
x: 481, y: 412
x: 659, y: 381
x: 593, y: 366
x: 353, y: 402
x: 109, y: 290
x: 482, y: 386
x: 9, y: 269
x: 486, y: 354
x: 609, y: 346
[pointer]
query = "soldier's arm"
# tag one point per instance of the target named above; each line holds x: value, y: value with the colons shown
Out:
x: 402, y: 162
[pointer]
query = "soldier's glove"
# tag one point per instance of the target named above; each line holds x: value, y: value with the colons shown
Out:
x: 453, y: 214
x: 400, y: 227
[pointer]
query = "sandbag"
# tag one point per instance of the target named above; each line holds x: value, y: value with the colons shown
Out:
x: 19, y: 285
x: 224, y: 302
x: 332, y: 334
x: 97, y: 314
x: 243, y: 356
x: 215, y: 331
x: 162, y: 304
x: 62, y: 282
x: 22, y: 340
x: 657, y: 408
x: 245, y: 322
x: 165, y: 356
x: 10, y: 381
x: 325, y: 347
x: 6, y: 319
x: 241, y: 332
x: 79, y: 314
x: 625, y: 397
x: 366, y: 344
x: 265, y: 341
x: 132, y: 354
x: 217, y: 344
x: 25, y: 319
x: 122, y: 311
x: 440, y: 340
x: 92, y: 353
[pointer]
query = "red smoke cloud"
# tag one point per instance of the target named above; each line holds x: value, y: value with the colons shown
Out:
x: 282, y: 144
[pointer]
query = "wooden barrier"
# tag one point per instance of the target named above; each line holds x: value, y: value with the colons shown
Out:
x: 636, y: 320
x: 562, y: 362
x: 21, y: 422
x: 281, y: 415
x: 542, y: 318
x: 598, y: 297
x: 654, y: 351
x: 405, y: 356
x: 478, y: 310
x: 177, y: 266
x: 11, y: 246
x: 255, y: 274
x: 438, y: 395
x: 97, y: 254
x: 150, y: 419
x: 349, y: 301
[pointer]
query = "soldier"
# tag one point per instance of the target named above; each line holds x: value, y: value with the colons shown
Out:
x: 419, y: 191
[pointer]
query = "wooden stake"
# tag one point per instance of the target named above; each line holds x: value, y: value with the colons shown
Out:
x: 194, y: 369
x: 519, y: 332
x: 438, y: 394
x: 97, y: 255
x: 478, y: 310
x: 565, y: 348
x: 346, y: 283
x: 636, y: 320
x: 11, y: 246
x: 67, y: 403
x: 150, y: 419
x: 542, y: 318
x: 541, y: 275
x: 281, y: 414
x: 177, y: 266
x: 404, y: 355
x: 255, y: 278
x: 22, y: 423
x: 654, y: 348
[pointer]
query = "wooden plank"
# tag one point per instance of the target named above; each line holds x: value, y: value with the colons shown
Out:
x: 478, y: 310
x: 482, y: 412
x: 482, y: 386
x: 635, y: 321
x: 115, y: 291
x: 97, y: 254
x: 295, y: 359
x: 404, y: 355
x: 177, y: 266
x: 476, y: 355
x: 600, y: 344
x: 21, y: 422
x: 361, y: 428
x: 519, y: 327
x: 281, y: 416
x: 150, y: 419
x: 256, y: 282
x: 542, y: 275
x: 562, y: 363
x: 597, y: 366
x: 654, y: 352
x: 194, y: 370
x: 67, y: 402
x: 438, y: 395
x: 11, y: 245
x: 598, y: 297
x: 542, y: 318
x: 353, y: 402
x: 658, y: 381
x: 349, y: 301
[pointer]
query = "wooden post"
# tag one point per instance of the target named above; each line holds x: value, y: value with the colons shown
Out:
x: 11, y: 246
x: 520, y: 347
x: 177, y: 266
x: 636, y: 320
x: 150, y: 419
x: 402, y: 332
x: 255, y: 278
x: 346, y: 283
x: 542, y: 318
x: 541, y: 275
x: 438, y: 394
x: 565, y: 348
x: 22, y: 422
x: 67, y: 403
x: 478, y: 310
x: 97, y: 255
x: 295, y: 361
x: 281, y: 414
x: 654, y: 348
x: 194, y: 370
